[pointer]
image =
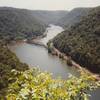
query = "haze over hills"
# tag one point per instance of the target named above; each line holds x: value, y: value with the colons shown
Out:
x: 73, y: 16
x: 49, y: 17
x: 82, y: 41
x: 62, y: 18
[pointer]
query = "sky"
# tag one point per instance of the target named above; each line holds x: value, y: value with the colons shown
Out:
x: 49, y: 4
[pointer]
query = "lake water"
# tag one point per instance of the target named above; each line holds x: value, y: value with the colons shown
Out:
x: 37, y: 56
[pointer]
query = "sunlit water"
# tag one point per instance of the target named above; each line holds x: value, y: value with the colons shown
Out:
x: 37, y: 56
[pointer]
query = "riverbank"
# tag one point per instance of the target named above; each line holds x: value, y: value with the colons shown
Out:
x: 72, y: 63
x: 36, y: 42
x: 35, y: 55
x: 56, y: 52
x: 42, y: 41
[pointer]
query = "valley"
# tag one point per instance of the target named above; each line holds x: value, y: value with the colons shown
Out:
x: 27, y: 62
x: 38, y: 56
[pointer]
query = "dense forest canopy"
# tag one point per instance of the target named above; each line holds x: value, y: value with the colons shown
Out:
x: 82, y: 41
x: 49, y: 17
x: 19, y: 24
x: 8, y: 61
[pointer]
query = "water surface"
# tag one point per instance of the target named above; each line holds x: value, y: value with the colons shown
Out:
x: 51, y: 32
x: 37, y: 56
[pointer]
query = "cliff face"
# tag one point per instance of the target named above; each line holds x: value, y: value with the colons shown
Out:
x: 82, y: 41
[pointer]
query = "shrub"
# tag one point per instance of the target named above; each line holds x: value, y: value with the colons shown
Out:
x: 35, y: 85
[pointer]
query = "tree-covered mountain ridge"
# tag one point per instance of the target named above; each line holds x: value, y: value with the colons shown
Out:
x: 73, y: 16
x: 82, y: 41
x: 19, y: 23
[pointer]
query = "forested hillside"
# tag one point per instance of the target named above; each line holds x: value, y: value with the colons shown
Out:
x: 49, y: 17
x: 17, y: 81
x: 73, y: 16
x: 19, y: 24
x: 82, y: 41
x: 8, y: 61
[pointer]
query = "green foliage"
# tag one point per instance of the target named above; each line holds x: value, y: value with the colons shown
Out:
x: 35, y: 85
x: 82, y: 41
x: 8, y: 61
x: 17, y: 82
x: 73, y: 16
x: 69, y: 61
x: 49, y: 17
x: 19, y: 24
x: 50, y: 47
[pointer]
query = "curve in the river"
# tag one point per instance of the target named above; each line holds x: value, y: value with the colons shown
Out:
x: 51, y: 32
x: 35, y: 55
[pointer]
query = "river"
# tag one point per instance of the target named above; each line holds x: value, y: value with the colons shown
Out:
x: 37, y: 56
x: 51, y: 32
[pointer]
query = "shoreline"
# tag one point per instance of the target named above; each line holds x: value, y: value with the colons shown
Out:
x: 60, y: 55
x: 37, y: 42
x: 74, y: 64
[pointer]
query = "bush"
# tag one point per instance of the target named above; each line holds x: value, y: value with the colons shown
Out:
x: 35, y: 85
x: 69, y: 62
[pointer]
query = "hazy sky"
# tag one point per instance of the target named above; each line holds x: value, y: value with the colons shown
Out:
x: 50, y: 4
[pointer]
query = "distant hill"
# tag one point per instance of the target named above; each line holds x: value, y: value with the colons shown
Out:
x: 19, y: 23
x: 49, y: 17
x: 82, y: 41
x: 73, y: 16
